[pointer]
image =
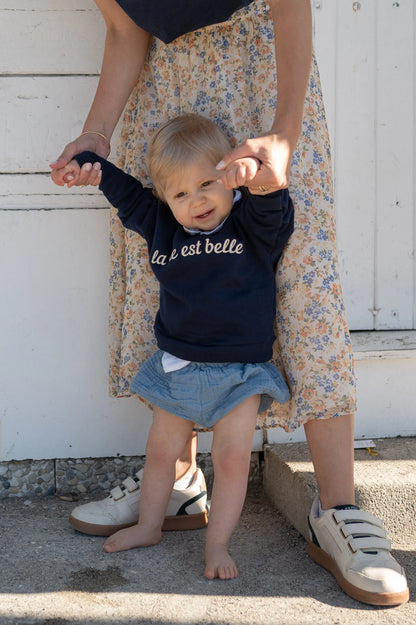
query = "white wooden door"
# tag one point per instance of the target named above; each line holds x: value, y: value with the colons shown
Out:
x: 366, y: 53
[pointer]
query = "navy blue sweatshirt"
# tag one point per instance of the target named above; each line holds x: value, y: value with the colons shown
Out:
x: 168, y: 19
x: 217, y: 291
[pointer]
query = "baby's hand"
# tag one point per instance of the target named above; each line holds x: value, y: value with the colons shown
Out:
x: 86, y: 141
x: 88, y: 174
x: 240, y: 172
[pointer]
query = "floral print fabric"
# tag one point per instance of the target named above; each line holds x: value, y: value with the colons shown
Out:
x: 227, y: 72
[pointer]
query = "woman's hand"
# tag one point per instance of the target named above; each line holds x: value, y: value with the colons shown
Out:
x: 67, y: 171
x: 292, y: 21
x: 273, y: 153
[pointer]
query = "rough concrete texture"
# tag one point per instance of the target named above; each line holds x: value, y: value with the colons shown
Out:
x: 52, y: 575
x: 385, y: 485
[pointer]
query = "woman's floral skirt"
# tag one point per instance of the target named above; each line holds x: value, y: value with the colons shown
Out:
x: 227, y: 72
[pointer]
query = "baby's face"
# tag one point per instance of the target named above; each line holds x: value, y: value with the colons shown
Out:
x: 195, y: 197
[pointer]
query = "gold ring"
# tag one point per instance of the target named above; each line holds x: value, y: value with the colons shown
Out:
x: 263, y: 189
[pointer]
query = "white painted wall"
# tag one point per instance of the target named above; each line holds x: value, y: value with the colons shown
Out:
x: 53, y: 247
x: 53, y: 243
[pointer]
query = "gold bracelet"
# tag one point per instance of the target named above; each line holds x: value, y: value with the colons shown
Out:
x: 94, y: 132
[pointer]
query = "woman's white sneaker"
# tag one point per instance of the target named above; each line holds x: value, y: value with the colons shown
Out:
x: 187, y: 508
x: 352, y: 545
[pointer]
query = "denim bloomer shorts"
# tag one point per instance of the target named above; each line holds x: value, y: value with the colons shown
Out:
x: 206, y: 392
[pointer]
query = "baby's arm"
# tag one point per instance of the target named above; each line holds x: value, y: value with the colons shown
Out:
x: 123, y: 191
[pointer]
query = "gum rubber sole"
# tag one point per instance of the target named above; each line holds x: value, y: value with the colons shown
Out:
x: 171, y: 523
x: 372, y: 598
x: 185, y: 522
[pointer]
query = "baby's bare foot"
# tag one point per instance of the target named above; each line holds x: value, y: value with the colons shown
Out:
x: 219, y: 563
x: 132, y: 537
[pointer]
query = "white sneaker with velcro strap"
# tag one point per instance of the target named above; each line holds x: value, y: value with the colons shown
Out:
x: 187, y: 508
x: 352, y: 545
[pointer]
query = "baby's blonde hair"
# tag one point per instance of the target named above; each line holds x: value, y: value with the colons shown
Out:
x: 178, y: 142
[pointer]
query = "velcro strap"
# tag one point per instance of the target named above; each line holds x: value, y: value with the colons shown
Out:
x: 117, y: 493
x: 130, y: 484
x: 356, y: 515
x: 364, y: 543
x: 361, y: 529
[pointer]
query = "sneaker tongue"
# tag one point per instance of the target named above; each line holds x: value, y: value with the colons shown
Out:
x: 346, y: 507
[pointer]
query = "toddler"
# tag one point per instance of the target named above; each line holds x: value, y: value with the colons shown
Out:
x: 214, y: 252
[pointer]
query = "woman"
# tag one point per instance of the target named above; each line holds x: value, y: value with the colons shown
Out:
x: 226, y: 70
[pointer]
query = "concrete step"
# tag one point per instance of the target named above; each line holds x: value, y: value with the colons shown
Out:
x: 385, y: 485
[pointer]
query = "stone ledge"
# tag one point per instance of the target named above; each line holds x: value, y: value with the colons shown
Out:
x: 75, y: 477
x: 385, y: 485
x: 27, y: 478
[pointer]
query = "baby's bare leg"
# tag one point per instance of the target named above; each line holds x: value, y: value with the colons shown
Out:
x: 231, y: 451
x: 166, y: 441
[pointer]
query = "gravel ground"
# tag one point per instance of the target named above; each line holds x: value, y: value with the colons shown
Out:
x: 52, y: 575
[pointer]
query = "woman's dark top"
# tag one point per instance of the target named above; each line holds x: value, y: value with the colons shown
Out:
x: 169, y: 19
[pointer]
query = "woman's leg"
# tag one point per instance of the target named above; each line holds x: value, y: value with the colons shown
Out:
x: 231, y: 451
x: 331, y: 443
x: 166, y: 440
x: 348, y: 542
